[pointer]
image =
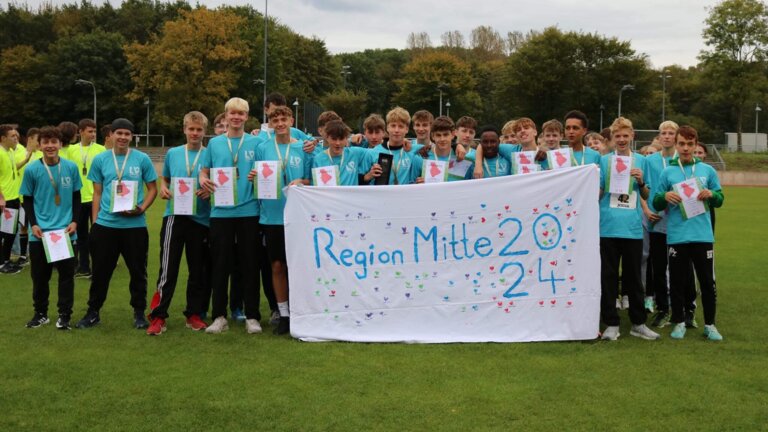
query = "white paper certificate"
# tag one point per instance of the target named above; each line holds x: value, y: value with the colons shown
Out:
x: 527, y: 168
x: 458, y: 169
x: 689, y: 191
x: 224, y: 194
x: 57, y: 246
x: 124, y: 195
x: 326, y: 176
x: 523, y: 158
x: 434, y: 171
x: 9, y: 220
x: 560, y: 158
x: 620, y: 181
x: 184, y: 195
x: 268, y: 180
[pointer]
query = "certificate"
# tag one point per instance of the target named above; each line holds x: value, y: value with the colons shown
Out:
x: 458, y: 170
x: 184, y: 198
x: 9, y: 220
x: 325, y: 176
x: 527, y: 168
x: 523, y: 158
x: 225, y: 192
x: 124, y: 195
x: 691, y: 206
x: 619, y: 180
x: 57, y: 246
x: 22, y: 216
x: 560, y: 158
x: 434, y: 171
x: 268, y: 182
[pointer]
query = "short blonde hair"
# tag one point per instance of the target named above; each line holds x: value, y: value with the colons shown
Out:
x: 197, y: 117
x: 509, y: 128
x: 523, y: 123
x: 238, y: 104
x: 669, y: 124
x: 621, y: 123
x: 399, y: 115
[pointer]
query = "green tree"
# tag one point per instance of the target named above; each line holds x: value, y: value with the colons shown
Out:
x: 736, y: 33
x: 350, y: 105
x: 21, y: 72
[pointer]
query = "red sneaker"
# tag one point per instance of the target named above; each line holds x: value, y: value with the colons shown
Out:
x: 156, y: 327
x: 195, y: 323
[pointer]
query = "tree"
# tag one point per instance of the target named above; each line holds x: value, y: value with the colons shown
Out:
x: 452, y: 39
x: 349, y: 105
x: 737, y: 33
x: 21, y: 72
x: 418, y: 41
x: 487, y: 43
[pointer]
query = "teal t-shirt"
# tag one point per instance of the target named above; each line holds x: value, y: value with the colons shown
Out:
x: 588, y: 156
x: 138, y: 168
x: 616, y: 222
x: 37, y: 184
x: 295, y: 134
x: 353, y: 157
x: 655, y: 164
x: 418, y: 165
x: 697, y: 229
x: 402, y: 164
x: 493, y: 167
x: 218, y: 155
x: 175, y: 165
x: 415, y: 147
x: 297, y: 165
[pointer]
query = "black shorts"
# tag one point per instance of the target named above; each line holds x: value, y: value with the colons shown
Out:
x: 275, y: 242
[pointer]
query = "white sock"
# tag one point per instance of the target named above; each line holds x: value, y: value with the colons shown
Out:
x: 283, y: 308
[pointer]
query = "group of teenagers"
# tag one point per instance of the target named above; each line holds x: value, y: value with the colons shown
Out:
x: 235, y: 245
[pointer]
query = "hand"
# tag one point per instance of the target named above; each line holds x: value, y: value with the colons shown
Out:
x: 252, y: 174
x: 203, y: 194
x: 478, y: 172
x: 651, y: 216
x: 131, y: 213
x: 407, y: 145
x: 71, y: 228
x: 37, y: 232
x: 460, y: 152
x: 375, y: 171
x: 356, y: 139
x: 207, y: 185
x: 673, y: 197
x: 164, y: 192
x: 541, y: 155
x: 704, y: 195
x: 2, y: 203
x: 297, y: 182
x: 637, y: 173
x: 419, y: 180
x: 309, y: 146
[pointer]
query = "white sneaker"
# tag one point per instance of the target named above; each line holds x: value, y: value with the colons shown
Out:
x: 252, y: 326
x: 618, y: 304
x: 642, y: 331
x: 611, y: 333
x: 625, y: 303
x: 217, y: 326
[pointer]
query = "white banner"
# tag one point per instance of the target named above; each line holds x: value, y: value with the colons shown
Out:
x: 506, y: 259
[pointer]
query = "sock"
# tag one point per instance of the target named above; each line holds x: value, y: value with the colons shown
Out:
x: 283, y: 308
x: 23, y: 241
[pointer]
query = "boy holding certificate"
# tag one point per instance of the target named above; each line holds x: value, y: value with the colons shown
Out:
x: 280, y: 161
x: 687, y: 188
x: 488, y: 159
x: 622, y: 185
x: 339, y: 164
x: 185, y: 228
x: 51, y: 190
x: 438, y: 161
x: 234, y: 216
x: 120, y: 227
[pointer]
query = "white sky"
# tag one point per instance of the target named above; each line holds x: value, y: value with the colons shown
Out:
x: 668, y: 31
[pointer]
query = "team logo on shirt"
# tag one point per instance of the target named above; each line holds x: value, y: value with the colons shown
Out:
x: 351, y: 167
x: 66, y: 182
x: 134, y: 171
x: 249, y: 155
x: 295, y: 161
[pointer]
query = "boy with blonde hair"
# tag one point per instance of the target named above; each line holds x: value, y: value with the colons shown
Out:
x: 402, y: 171
x: 508, y: 133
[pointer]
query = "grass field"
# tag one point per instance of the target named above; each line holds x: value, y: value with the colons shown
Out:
x: 115, y: 378
x: 753, y: 162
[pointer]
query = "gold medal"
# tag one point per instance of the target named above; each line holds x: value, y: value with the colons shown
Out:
x: 57, y: 199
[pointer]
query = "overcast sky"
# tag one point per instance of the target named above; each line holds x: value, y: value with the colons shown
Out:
x: 668, y: 31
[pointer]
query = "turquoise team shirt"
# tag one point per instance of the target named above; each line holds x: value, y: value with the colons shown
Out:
x: 590, y: 157
x: 492, y: 167
x: 218, y: 155
x: 415, y: 147
x: 295, y: 134
x: 655, y: 164
x: 297, y: 166
x: 354, y: 159
x: 402, y: 163
x: 37, y: 184
x: 696, y: 229
x: 618, y: 222
x: 176, y: 166
x: 139, y: 168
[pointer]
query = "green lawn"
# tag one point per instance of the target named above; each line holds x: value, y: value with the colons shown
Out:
x: 753, y: 162
x: 115, y: 378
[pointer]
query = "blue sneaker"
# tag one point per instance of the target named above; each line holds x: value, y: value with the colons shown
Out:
x: 678, y: 332
x: 238, y: 315
x: 711, y: 333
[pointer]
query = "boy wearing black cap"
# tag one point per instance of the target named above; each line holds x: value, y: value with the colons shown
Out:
x: 119, y: 227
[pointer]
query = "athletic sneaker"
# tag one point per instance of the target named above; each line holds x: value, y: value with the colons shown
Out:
x: 90, y: 319
x: 283, y: 326
x: 82, y: 273
x: 711, y: 333
x: 139, y: 321
x: 678, y: 332
x: 38, y: 320
x: 238, y: 315
x: 157, y: 327
x: 252, y: 326
x: 274, y: 319
x: 63, y: 322
x: 624, y: 302
x: 643, y: 332
x: 660, y: 320
x: 22, y: 261
x: 649, y: 305
x: 611, y: 333
x: 690, y: 320
x: 10, y: 268
x: 218, y: 325
x: 195, y: 323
